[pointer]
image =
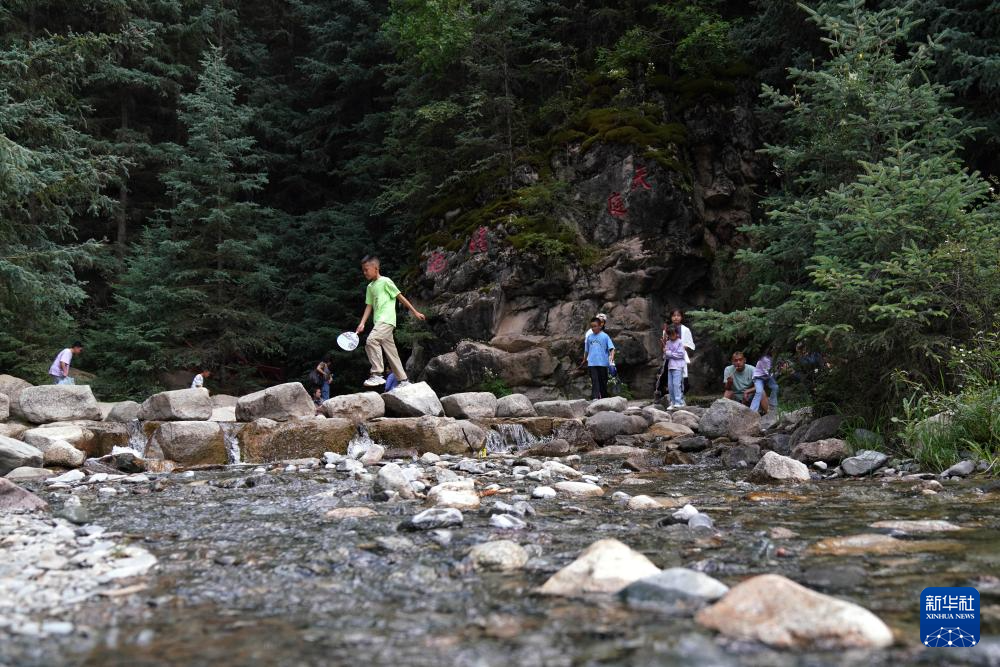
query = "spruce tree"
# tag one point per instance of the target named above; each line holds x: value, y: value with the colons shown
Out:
x: 880, y: 248
x: 50, y: 175
x: 198, y: 290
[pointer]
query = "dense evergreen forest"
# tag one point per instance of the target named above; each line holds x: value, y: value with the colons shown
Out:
x: 191, y: 183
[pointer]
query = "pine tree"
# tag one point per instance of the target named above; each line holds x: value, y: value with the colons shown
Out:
x: 881, y: 247
x: 50, y: 174
x: 197, y: 291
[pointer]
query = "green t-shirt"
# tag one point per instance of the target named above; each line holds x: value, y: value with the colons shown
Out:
x: 741, y: 381
x: 381, y: 296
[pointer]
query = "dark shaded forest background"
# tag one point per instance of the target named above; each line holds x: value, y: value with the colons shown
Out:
x: 187, y: 183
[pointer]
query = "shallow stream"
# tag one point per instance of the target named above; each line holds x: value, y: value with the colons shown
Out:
x: 251, y: 572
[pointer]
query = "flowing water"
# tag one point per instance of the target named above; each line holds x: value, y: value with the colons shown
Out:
x: 137, y: 439
x: 506, y: 438
x: 252, y: 573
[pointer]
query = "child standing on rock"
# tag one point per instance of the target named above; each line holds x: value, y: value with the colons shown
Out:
x: 675, y: 366
x: 762, y: 374
x: 380, y: 299
x: 599, y: 353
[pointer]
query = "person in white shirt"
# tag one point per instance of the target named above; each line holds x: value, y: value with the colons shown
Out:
x: 199, y: 380
x: 59, y: 370
x: 687, y: 340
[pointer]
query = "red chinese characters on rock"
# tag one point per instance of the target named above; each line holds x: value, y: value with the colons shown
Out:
x: 616, y: 206
x: 436, y: 263
x: 639, y: 180
x: 478, y: 242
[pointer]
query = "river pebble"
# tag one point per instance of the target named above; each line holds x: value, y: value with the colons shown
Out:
x: 502, y: 555
x: 48, y: 569
x: 436, y: 517
x: 507, y: 522
x: 779, y: 612
x: 606, y: 566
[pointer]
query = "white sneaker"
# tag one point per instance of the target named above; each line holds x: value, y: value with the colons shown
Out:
x: 404, y: 383
x: 375, y: 381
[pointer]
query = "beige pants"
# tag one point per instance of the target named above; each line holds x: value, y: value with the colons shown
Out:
x: 380, y: 341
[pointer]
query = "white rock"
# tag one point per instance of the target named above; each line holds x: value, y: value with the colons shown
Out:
x: 579, y: 489
x: 562, y: 469
x: 507, y: 522
x: 358, y: 408
x: 390, y: 478
x: 774, y: 467
x: 685, y: 513
x: 606, y: 566
x: 470, y: 405
x: 66, y: 478
x: 643, y: 503
x: 543, y: 492
x: 460, y: 495
x: 57, y: 403
x: 613, y: 404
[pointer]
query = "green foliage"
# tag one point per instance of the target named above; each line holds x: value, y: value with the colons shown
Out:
x: 195, y: 291
x: 707, y: 47
x: 627, y: 127
x: 435, y: 32
x: 969, y: 421
x: 494, y: 384
x: 49, y: 175
x: 880, y: 245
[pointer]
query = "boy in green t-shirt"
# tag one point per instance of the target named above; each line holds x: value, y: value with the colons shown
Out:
x: 380, y: 297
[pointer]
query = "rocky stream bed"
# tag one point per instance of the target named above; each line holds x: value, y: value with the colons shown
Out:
x: 507, y: 532
x: 278, y: 565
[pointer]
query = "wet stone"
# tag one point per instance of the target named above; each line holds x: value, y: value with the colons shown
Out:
x: 501, y: 555
x: 863, y: 463
x: 433, y: 518
x: 835, y: 578
x: 507, y: 522
x: 960, y: 469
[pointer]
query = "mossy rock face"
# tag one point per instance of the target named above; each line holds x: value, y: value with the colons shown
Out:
x: 621, y: 126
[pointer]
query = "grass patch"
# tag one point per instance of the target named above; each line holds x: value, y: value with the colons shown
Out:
x: 939, y: 428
